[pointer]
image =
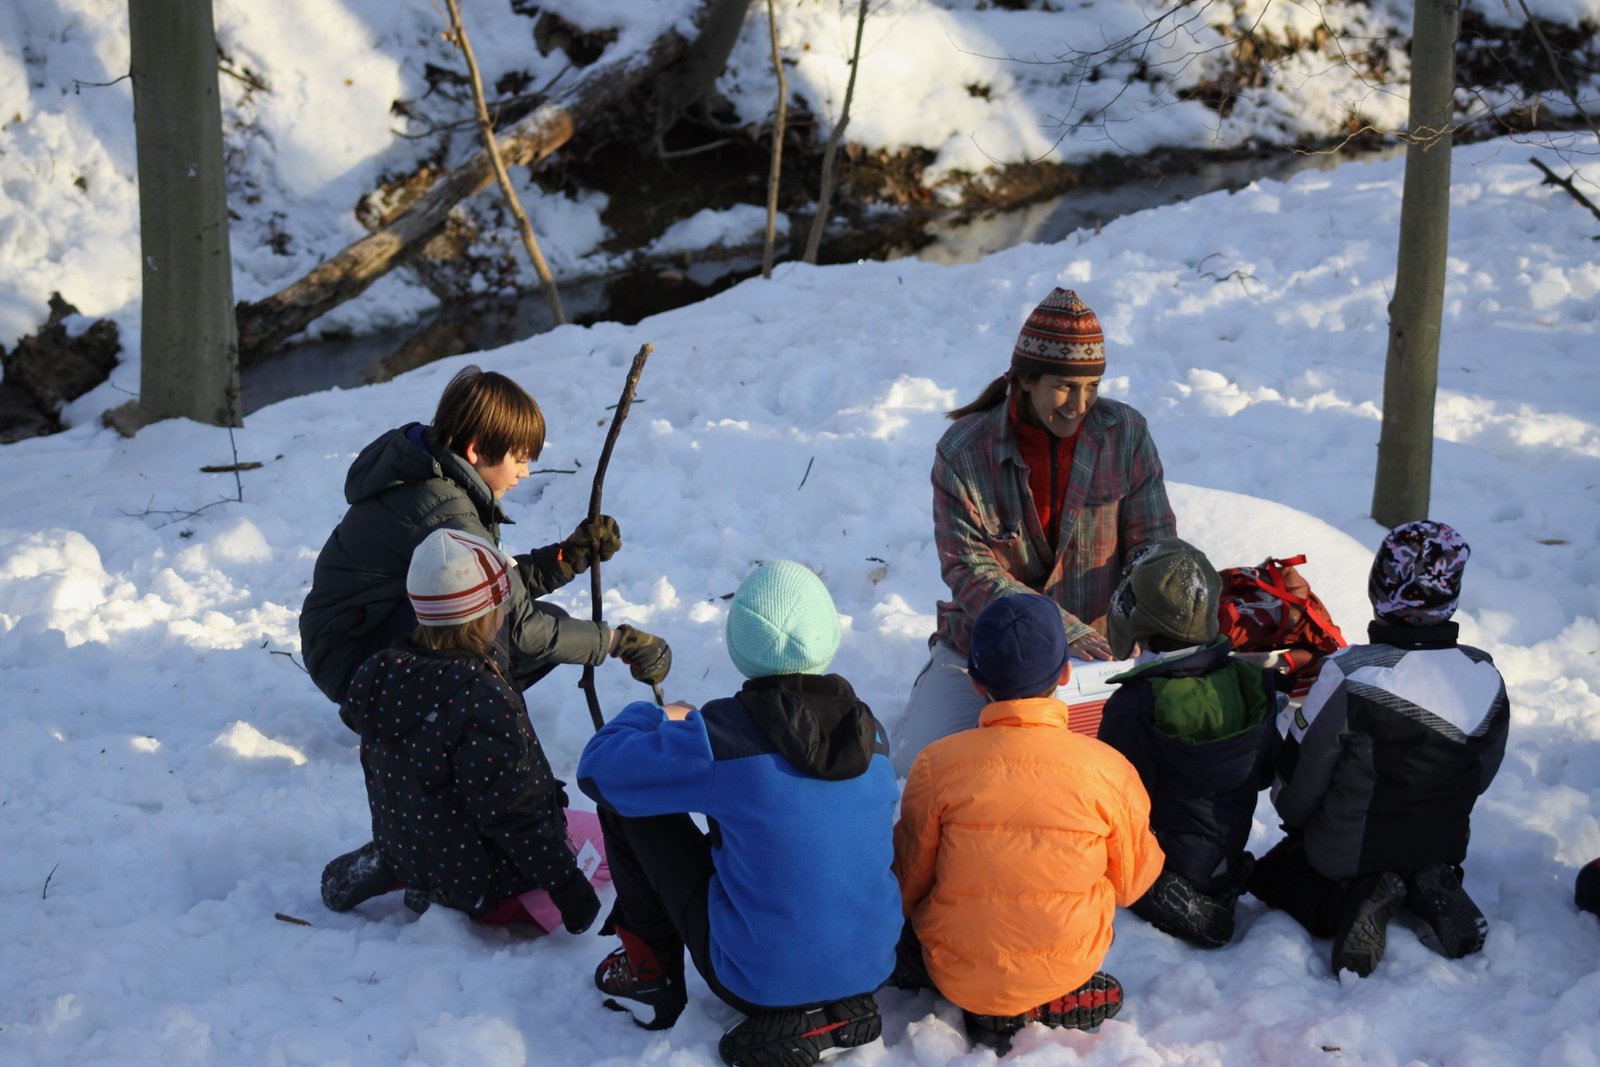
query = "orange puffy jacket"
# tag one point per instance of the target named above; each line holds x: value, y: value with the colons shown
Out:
x: 1016, y: 842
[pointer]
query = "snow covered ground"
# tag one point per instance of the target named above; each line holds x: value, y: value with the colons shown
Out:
x: 318, y: 96
x: 169, y: 779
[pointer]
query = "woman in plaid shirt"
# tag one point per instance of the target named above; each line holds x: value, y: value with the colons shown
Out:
x: 1040, y: 486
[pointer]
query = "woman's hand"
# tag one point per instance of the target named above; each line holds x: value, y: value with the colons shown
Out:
x: 678, y: 710
x: 1091, y: 646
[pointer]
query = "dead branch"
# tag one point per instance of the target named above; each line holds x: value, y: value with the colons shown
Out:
x: 830, y: 151
x: 777, y: 146
x: 267, y: 323
x: 547, y: 282
x: 281, y: 917
x: 44, y: 894
x: 1550, y: 178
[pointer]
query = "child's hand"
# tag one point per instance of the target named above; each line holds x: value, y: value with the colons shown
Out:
x: 647, y: 656
x: 678, y: 710
x: 598, y: 538
x: 1091, y: 646
x: 577, y: 902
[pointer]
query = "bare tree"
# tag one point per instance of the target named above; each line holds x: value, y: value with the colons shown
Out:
x: 547, y: 282
x: 188, y: 340
x: 781, y: 113
x: 1401, y: 489
x: 830, y: 151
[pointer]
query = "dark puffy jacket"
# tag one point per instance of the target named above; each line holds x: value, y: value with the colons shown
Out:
x: 1198, y: 728
x: 793, y: 775
x: 400, y: 489
x: 1382, y: 765
x: 463, y: 800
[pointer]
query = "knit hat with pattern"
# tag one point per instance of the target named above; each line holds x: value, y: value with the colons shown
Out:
x: 782, y: 621
x: 1018, y: 646
x: 1416, y: 575
x: 1062, y: 336
x: 1169, y: 588
x: 456, y: 577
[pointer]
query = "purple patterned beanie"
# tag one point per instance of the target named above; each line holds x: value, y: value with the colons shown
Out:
x: 1416, y: 576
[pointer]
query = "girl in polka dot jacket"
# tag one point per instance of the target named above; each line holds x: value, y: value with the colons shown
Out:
x: 465, y: 809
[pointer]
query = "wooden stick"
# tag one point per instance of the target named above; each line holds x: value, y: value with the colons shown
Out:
x: 623, y: 404
x: 547, y: 281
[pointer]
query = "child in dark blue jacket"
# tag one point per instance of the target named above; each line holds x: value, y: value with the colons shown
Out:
x: 788, y: 907
x: 1196, y: 723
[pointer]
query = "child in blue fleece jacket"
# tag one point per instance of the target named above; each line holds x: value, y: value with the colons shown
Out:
x: 788, y: 907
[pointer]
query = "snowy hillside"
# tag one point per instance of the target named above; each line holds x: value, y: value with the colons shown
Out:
x: 170, y: 779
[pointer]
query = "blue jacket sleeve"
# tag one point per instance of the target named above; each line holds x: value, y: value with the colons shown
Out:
x: 642, y: 763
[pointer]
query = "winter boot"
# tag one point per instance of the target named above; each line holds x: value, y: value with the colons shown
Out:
x: 635, y: 972
x: 993, y: 1031
x: 1435, y: 896
x: 356, y: 876
x: 1175, y: 906
x: 797, y: 1037
x: 1084, y: 1008
x: 1363, y: 925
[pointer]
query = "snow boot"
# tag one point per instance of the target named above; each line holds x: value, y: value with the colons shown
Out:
x: 1084, y: 1008
x: 797, y: 1037
x: 356, y: 876
x: 1363, y: 926
x: 635, y: 972
x: 1173, y: 905
x: 1435, y: 896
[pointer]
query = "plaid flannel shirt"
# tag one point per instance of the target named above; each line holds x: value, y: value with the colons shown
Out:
x: 987, y: 529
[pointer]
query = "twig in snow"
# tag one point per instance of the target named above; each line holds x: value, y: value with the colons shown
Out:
x: 1550, y: 177
x: 806, y: 475
x: 281, y: 917
x: 44, y: 895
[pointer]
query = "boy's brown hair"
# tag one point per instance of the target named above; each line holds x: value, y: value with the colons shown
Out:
x: 491, y: 412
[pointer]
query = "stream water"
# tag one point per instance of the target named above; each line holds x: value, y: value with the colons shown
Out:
x: 633, y: 295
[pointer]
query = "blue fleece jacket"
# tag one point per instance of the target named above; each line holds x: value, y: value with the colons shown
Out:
x: 803, y: 905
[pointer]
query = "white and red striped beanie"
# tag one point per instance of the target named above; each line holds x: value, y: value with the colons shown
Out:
x: 456, y: 577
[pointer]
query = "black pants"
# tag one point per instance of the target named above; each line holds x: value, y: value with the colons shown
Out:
x: 1284, y: 879
x: 661, y: 867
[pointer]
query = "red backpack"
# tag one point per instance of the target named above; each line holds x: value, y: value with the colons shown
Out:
x: 1272, y: 608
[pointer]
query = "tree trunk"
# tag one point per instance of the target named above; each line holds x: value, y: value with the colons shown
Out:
x: 819, y: 221
x: 266, y: 324
x: 190, y: 350
x: 693, y: 78
x: 775, y: 171
x: 1411, y: 373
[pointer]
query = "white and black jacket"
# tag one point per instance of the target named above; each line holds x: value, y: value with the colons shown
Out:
x: 1396, y: 740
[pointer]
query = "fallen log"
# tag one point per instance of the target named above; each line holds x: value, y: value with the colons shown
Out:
x: 266, y: 324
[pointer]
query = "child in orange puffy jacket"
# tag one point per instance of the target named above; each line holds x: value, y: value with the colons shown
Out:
x: 1043, y: 833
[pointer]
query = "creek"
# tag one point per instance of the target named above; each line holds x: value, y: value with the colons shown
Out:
x: 629, y: 296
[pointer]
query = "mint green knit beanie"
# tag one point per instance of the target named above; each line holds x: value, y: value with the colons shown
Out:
x: 782, y: 621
